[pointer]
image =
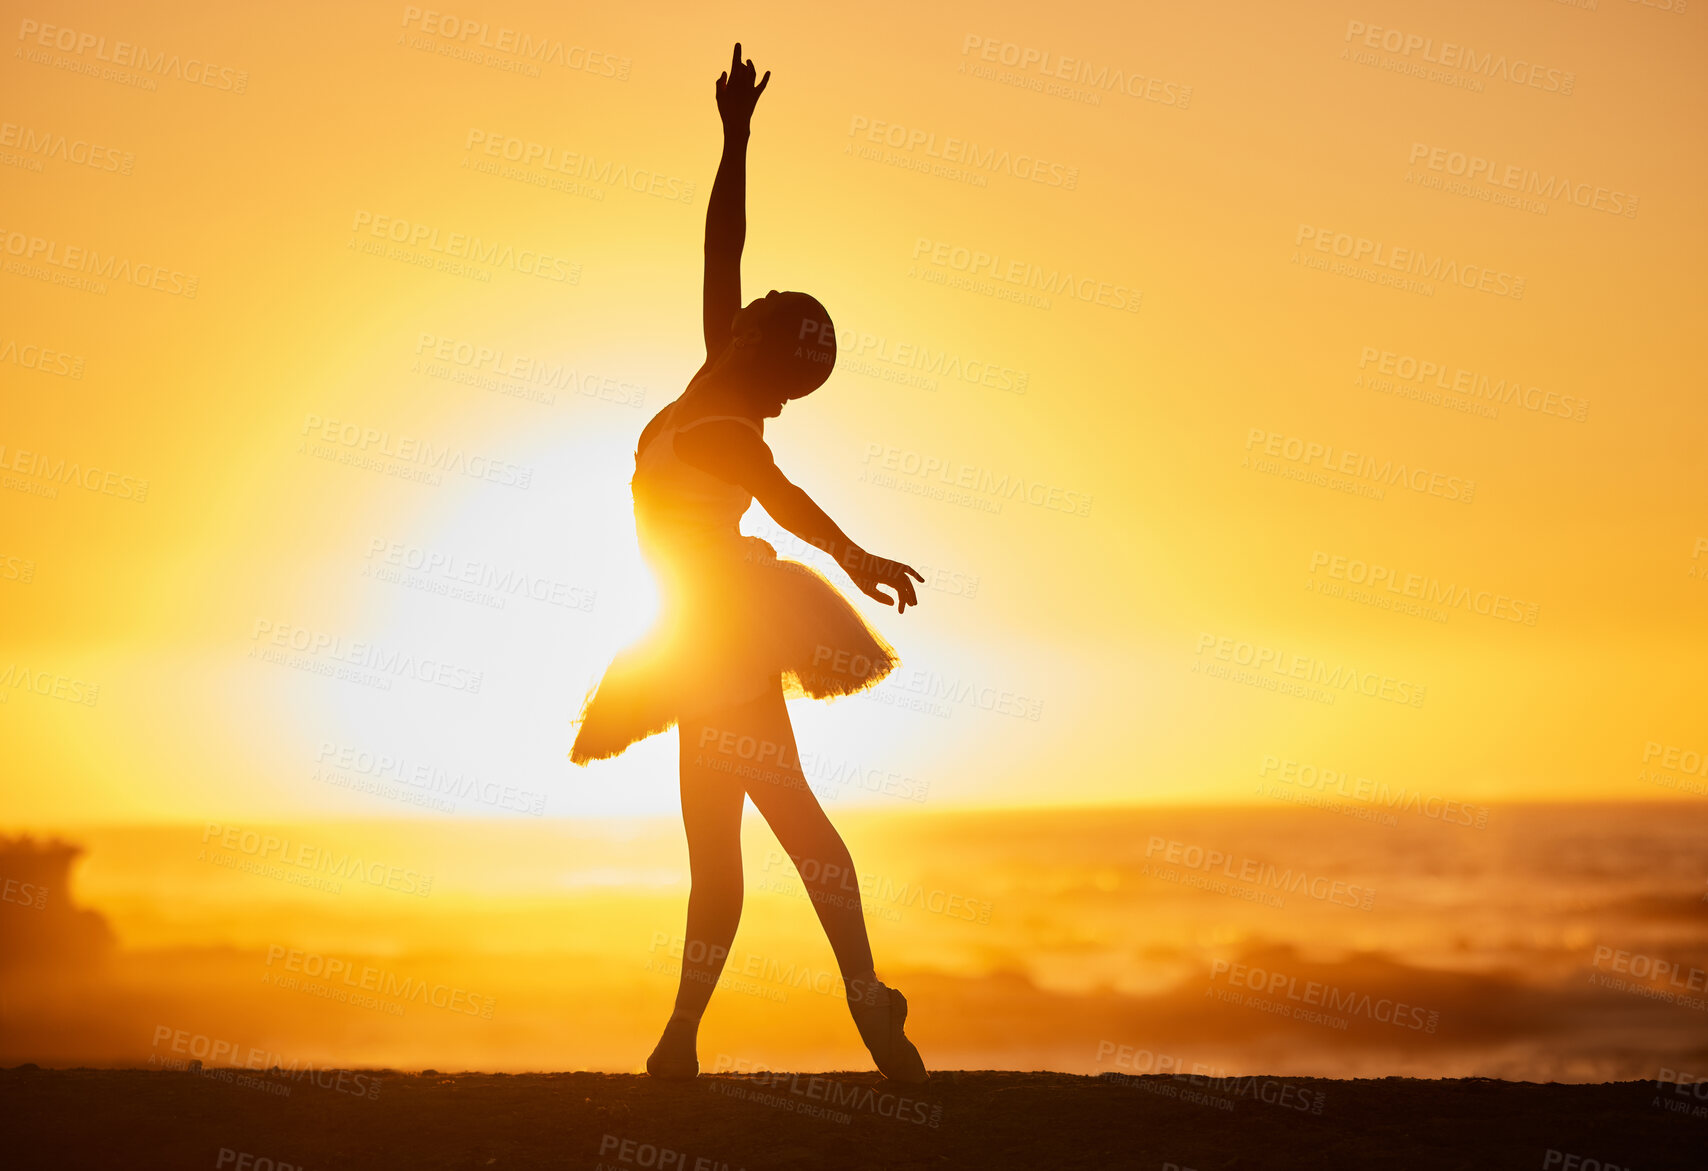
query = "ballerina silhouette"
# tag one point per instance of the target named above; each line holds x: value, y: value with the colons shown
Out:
x: 741, y: 630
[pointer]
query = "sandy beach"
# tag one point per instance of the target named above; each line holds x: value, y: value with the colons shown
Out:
x: 256, y: 1121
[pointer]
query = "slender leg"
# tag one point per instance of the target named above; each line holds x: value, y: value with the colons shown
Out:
x: 711, y: 816
x: 779, y: 790
x: 756, y: 743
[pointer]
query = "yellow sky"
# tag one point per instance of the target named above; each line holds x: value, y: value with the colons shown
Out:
x: 1235, y: 444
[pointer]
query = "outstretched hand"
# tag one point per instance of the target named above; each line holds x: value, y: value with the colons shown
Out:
x: 870, y: 573
x: 737, y: 93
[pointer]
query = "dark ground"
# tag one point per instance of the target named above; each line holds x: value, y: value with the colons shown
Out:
x: 135, y: 1119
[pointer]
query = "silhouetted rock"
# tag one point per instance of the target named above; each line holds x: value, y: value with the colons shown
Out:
x: 40, y: 927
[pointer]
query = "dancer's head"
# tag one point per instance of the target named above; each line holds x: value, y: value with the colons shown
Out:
x: 785, y: 348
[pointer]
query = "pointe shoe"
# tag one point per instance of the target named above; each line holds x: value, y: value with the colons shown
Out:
x: 673, y: 1058
x: 880, y: 1021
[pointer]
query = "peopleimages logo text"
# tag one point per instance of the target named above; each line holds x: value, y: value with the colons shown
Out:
x: 1005, y: 270
x: 1384, y: 471
x: 1449, y: 55
x: 130, y: 56
x: 1411, y: 261
x: 466, y: 246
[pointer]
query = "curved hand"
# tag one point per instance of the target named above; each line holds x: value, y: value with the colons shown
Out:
x: 869, y: 573
x: 737, y: 93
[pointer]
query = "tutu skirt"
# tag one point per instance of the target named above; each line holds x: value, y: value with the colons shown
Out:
x: 735, y: 620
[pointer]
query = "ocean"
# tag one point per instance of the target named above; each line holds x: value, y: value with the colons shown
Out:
x: 1362, y: 936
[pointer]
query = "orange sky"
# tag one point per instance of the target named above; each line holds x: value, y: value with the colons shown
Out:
x: 1120, y: 511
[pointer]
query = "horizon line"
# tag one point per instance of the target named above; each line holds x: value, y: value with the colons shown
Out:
x: 855, y: 811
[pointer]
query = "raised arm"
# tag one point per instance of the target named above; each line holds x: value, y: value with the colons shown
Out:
x: 733, y: 453
x: 726, y: 207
